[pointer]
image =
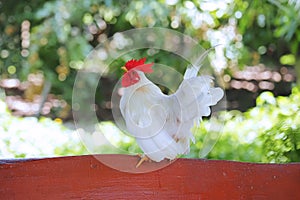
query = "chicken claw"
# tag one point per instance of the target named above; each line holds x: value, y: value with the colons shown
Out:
x: 143, y: 159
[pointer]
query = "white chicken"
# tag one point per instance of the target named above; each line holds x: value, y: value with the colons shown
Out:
x: 161, y: 124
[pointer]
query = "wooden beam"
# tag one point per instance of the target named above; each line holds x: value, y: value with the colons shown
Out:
x: 84, y: 177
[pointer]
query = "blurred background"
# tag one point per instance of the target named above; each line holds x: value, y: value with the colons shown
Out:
x: 44, y: 43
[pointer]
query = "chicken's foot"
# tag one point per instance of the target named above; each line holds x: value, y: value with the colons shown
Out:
x: 143, y: 159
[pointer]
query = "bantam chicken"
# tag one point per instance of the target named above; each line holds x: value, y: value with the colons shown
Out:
x: 161, y: 124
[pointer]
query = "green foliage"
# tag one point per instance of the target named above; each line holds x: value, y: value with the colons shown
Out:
x: 271, y: 31
x: 30, y: 137
x: 281, y: 143
x: 60, y: 33
x: 269, y: 132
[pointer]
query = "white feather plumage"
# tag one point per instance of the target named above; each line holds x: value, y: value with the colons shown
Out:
x: 161, y: 124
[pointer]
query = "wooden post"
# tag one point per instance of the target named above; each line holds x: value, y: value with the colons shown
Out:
x: 84, y: 177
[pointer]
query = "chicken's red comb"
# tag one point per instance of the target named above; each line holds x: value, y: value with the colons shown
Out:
x: 130, y: 78
x: 134, y: 63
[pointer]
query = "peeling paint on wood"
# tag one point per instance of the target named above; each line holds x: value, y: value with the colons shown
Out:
x: 84, y: 177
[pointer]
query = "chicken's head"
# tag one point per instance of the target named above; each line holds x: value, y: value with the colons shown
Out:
x: 131, y: 67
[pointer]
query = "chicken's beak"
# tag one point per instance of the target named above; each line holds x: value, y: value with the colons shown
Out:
x: 124, y: 68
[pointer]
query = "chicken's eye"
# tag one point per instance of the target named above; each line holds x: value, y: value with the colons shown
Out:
x: 134, y: 77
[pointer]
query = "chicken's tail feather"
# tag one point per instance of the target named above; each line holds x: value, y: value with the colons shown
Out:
x: 193, y: 69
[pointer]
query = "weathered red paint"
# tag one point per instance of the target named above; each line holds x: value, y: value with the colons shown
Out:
x: 84, y: 177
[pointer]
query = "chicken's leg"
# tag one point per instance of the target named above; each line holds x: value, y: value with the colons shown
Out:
x: 143, y: 159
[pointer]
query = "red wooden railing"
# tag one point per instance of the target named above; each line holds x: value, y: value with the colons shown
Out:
x: 84, y: 177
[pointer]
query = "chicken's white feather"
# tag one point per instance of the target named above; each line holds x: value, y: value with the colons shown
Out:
x: 193, y: 69
x: 161, y: 124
